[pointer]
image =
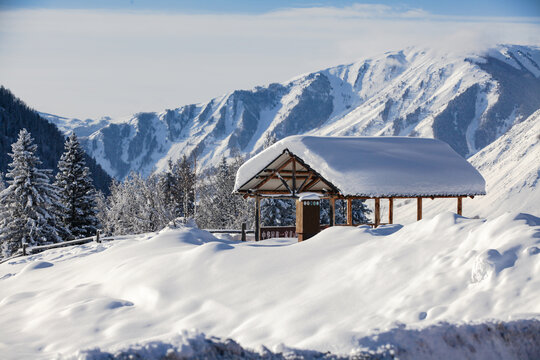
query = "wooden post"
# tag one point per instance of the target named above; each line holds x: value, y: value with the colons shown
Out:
x: 257, y: 217
x: 24, y: 249
x: 460, y: 205
x: 243, y: 231
x: 97, y: 236
x: 391, y: 210
x: 377, y: 211
x: 419, y: 209
x: 349, y: 211
x: 293, y: 177
x: 332, y: 211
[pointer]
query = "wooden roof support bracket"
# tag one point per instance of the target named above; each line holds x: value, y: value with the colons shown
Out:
x: 301, y: 187
x: 273, y: 173
x: 312, y: 183
x: 285, y: 184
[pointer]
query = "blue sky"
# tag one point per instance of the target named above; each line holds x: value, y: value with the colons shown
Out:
x: 96, y: 58
x: 455, y: 7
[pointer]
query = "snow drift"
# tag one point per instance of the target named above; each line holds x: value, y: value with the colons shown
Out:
x: 346, y: 290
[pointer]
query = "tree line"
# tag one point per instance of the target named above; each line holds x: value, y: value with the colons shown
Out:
x: 37, y: 208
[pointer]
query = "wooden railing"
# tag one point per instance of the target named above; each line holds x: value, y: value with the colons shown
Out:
x: 25, y: 250
x: 243, y: 231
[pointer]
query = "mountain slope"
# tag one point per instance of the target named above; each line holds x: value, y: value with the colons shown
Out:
x: 511, y: 167
x: 15, y: 115
x: 467, y: 101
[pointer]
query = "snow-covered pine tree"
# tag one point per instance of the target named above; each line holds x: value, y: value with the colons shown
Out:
x: 102, y: 207
x: 218, y: 206
x: 184, y: 187
x: 2, y: 183
x: 166, y: 187
x: 29, y: 203
x: 77, y: 193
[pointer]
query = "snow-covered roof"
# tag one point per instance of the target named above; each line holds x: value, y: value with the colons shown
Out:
x: 369, y: 166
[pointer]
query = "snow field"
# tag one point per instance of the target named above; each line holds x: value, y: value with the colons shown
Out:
x: 333, y: 292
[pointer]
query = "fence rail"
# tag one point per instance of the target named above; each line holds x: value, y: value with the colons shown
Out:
x: 40, y: 248
x: 37, y: 249
x: 243, y: 231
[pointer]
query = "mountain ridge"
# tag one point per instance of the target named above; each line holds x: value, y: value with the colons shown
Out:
x: 16, y: 115
x: 467, y: 101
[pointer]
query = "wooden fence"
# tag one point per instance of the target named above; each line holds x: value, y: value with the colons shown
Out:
x: 266, y: 232
x: 25, y: 250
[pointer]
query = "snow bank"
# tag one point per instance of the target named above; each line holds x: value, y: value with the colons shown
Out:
x: 493, y: 340
x: 341, y: 291
x: 376, y: 166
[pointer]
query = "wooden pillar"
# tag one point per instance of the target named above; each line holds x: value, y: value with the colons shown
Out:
x: 332, y: 211
x: 257, y: 218
x: 377, y: 212
x: 293, y: 177
x: 419, y: 209
x: 349, y: 211
x: 460, y: 205
x: 244, y: 231
x: 391, y: 210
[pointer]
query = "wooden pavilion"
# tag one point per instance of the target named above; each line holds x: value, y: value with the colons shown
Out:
x: 347, y: 168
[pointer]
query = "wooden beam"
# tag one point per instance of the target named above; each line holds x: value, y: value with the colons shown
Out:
x: 288, y: 177
x: 391, y: 210
x: 285, y: 184
x: 293, y: 177
x: 298, y: 172
x: 257, y: 218
x: 304, y: 183
x: 312, y: 183
x: 419, y: 209
x: 377, y: 212
x: 349, y: 212
x: 274, y: 173
x: 460, y: 206
x: 332, y: 211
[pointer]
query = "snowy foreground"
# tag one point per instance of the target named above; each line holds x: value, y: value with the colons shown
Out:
x: 447, y: 287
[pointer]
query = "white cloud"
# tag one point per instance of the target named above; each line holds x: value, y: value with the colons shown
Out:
x: 88, y: 63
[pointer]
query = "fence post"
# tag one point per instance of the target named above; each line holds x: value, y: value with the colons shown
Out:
x: 243, y: 231
x: 24, y: 249
x: 97, y: 236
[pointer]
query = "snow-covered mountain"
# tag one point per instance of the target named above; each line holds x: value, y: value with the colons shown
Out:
x: 466, y: 100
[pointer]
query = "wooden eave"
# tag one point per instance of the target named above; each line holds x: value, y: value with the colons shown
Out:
x: 287, y: 175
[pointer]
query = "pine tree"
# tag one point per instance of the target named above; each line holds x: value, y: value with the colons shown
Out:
x: 182, y: 187
x: 218, y: 206
x: 2, y: 184
x: 29, y: 204
x: 77, y: 193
